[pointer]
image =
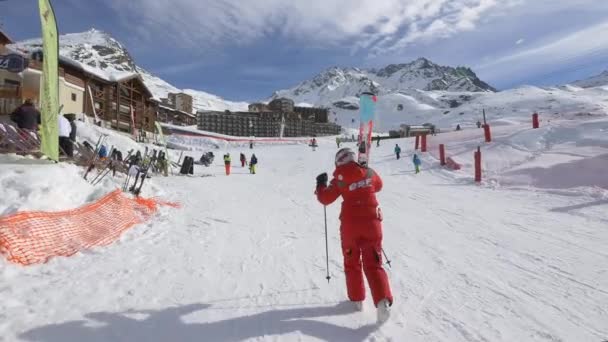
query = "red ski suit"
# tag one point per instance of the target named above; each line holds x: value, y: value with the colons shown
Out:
x: 360, y: 230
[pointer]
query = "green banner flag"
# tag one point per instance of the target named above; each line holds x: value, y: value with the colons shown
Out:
x: 49, y: 131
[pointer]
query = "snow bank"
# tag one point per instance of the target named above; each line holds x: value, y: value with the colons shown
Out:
x: 121, y: 141
x: 563, y: 154
x: 32, y: 184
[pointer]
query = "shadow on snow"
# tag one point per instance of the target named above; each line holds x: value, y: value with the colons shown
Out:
x: 168, y: 325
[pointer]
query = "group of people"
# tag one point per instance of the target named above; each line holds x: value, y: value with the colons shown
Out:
x: 416, y: 160
x: 253, y: 162
x: 27, y: 117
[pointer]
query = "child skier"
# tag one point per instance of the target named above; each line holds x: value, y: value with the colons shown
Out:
x: 243, y: 160
x: 417, y: 163
x: 227, y: 161
x: 397, y: 151
x: 360, y: 229
x: 252, y: 164
x: 313, y: 144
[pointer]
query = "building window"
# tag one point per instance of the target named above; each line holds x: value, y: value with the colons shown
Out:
x: 11, y: 82
x: 74, y: 97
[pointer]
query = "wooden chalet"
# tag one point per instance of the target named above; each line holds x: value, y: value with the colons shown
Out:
x: 5, y: 39
x: 175, y: 117
x: 120, y: 101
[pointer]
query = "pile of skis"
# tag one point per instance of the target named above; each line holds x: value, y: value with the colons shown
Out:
x: 141, y: 168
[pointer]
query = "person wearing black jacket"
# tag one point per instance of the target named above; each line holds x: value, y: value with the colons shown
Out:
x: 26, y: 116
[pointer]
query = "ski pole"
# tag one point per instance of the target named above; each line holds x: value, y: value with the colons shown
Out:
x: 328, y: 277
x: 386, y: 257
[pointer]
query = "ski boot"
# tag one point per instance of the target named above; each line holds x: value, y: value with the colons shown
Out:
x: 384, y: 311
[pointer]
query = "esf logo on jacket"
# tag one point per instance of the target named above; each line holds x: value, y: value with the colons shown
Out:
x: 360, y: 184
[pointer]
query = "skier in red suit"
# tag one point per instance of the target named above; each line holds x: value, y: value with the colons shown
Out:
x: 360, y: 230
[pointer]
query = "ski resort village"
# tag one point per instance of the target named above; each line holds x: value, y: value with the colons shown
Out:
x: 401, y: 170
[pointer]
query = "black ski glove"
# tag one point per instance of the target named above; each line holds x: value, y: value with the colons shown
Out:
x: 322, y: 180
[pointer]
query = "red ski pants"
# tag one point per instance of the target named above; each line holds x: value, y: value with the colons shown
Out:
x: 362, y: 250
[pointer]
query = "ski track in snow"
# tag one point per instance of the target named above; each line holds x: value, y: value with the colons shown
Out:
x: 243, y: 259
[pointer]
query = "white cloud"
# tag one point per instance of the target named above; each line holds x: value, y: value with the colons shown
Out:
x: 520, y: 41
x: 379, y: 25
x: 576, y: 48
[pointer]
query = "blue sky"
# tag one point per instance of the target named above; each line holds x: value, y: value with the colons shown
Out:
x: 245, y: 50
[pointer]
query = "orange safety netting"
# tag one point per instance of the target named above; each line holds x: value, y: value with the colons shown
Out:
x: 33, y: 237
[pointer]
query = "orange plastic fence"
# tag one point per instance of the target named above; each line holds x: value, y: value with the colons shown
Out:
x: 28, y: 238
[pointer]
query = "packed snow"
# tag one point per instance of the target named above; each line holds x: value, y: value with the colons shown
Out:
x: 520, y: 257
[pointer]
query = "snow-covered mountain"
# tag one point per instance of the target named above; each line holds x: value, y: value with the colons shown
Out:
x: 423, y: 92
x: 334, y: 84
x: 447, y: 109
x: 100, y: 54
x: 595, y: 81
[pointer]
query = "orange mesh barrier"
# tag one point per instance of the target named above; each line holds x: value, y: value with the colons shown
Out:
x: 33, y: 237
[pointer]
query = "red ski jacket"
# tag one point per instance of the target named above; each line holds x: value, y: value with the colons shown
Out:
x: 358, y: 186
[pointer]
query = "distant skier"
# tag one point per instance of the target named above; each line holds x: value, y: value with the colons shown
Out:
x: 458, y: 127
x: 360, y: 229
x: 227, y: 161
x: 313, y: 144
x: 103, y: 152
x: 397, y: 151
x: 377, y: 141
x: 253, y: 163
x: 243, y: 160
x: 338, y: 141
x: 478, y: 124
x: 251, y: 144
x: 417, y: 162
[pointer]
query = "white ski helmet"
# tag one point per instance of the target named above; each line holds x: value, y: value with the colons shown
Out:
x: 344, y: 156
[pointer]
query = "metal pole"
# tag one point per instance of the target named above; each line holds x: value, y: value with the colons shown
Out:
x: 386, y: 257
x: 328, y: 277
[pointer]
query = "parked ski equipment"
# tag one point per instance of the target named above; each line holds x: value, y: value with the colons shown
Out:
x: 367, y: 107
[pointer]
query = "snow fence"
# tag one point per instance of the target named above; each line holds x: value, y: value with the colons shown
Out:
x: 28, y: 238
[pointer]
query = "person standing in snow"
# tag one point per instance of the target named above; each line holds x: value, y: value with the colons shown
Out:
x: 103, y: 152
x: 252, y: 164
x: 243, y: 160
x: 65, y: 130
x: 27, y: 116
x: 251, y: 144
x: 377, y: 141
x: 227, y: 161
x: 397, y: 151
x: 338, y: 141
x: 360, y: 229
x: 417, y: 162
x: 313, y: 144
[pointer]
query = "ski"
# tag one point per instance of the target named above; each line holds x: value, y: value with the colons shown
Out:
x: 367, y: 107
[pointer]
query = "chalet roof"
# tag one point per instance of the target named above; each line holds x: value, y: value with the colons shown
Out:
x: 177, y: 111
x: 5, y: 38
x: 106, y: 76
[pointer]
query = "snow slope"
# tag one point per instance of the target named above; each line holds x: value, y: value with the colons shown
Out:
x: 244, y: 257
x: 448, y: 109
x: 595, y: 81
